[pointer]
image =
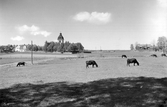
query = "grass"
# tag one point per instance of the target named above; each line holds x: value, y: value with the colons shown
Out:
x: 74, y: 69
x: 112, y: 84
x: 118, y: 92
x: 26, y: 56
x: 13, y: 60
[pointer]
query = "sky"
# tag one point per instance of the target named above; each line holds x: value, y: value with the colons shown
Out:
x: 97, y: 24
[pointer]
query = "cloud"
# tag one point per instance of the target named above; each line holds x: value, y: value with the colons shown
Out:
x: 94, y: 17
x: 33, y: 30
x: 26, y: 28
x: 159, y: 25
x: 17, y: 38
x: 44, y: 33
x: 159, y: 22
x: 162, y: 3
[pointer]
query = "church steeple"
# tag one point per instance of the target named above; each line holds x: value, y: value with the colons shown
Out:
x: 60, y: 38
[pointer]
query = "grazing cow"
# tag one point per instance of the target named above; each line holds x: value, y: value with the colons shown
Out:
x: 21, y: 63
x: 91, y: 62
x: 132, y: 60
x: 163, y: 55
x: 124, y: 56
x: 154, y: 55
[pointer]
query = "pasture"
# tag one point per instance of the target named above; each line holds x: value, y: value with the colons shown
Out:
x: 26, y: 56
x: 69, y: 73
x: 55, y: 68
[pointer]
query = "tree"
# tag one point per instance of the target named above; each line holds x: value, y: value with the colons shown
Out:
x: 39, y: 48
x: 35, y: 48
x: 73, y: 48
x: 55, y: 47
x: 162, y: 42
x: 136, y: 46
x: 45, y: 46
x: 66, y: 45
x: 29, y: 47
x: 80, y: 47
x: 131, y: 47
x: 61, y: 48
x: 50, y: 47
x: 7, y: 49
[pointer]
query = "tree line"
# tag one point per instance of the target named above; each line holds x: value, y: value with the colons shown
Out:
x: 7, y: 49
x: 48, y: 47
x: 63, y: 47
x: 160, y: 45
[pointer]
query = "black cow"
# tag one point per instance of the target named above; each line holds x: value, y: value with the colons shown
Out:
x: 91, y: 62
x: 132, y: 60
x: 154, y: 55
x: 20, y: 63
x: 163, y: 55
x: 124, y: 56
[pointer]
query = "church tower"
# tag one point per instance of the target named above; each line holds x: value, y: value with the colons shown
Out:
x: 60, y: 38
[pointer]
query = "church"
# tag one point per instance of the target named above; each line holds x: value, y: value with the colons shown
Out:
x: 60, y: 38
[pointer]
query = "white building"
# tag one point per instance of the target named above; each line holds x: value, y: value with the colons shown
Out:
x: 20, y: 48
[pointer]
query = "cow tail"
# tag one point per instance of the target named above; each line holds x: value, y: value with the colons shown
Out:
x: 137, y: 63
x: 86, y: 64
x: 96, y: 64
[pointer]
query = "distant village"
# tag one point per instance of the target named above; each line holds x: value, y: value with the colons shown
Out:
x: 59, y: 46
x: 65, y: 46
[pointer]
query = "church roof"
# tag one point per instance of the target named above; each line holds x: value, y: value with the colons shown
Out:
x: 60, y: 37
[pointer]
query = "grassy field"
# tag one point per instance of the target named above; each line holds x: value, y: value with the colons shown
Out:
x: 26, y: 56
x: 118, y: 92
x: 73, y: 69
x: 66, y: 68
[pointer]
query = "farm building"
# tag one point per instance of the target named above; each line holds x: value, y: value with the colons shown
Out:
x: 20, y: 48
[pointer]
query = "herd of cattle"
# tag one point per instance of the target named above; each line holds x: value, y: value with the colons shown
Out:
x: 129, y: 60
x: 93, y: 62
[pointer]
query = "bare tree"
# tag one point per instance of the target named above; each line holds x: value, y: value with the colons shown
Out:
x: 131, y: 47
x: 162, y: 42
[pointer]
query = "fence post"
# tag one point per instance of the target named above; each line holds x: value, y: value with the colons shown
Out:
x: 32, y: 52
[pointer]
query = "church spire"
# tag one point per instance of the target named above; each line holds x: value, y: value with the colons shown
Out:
x: 60, y: 38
